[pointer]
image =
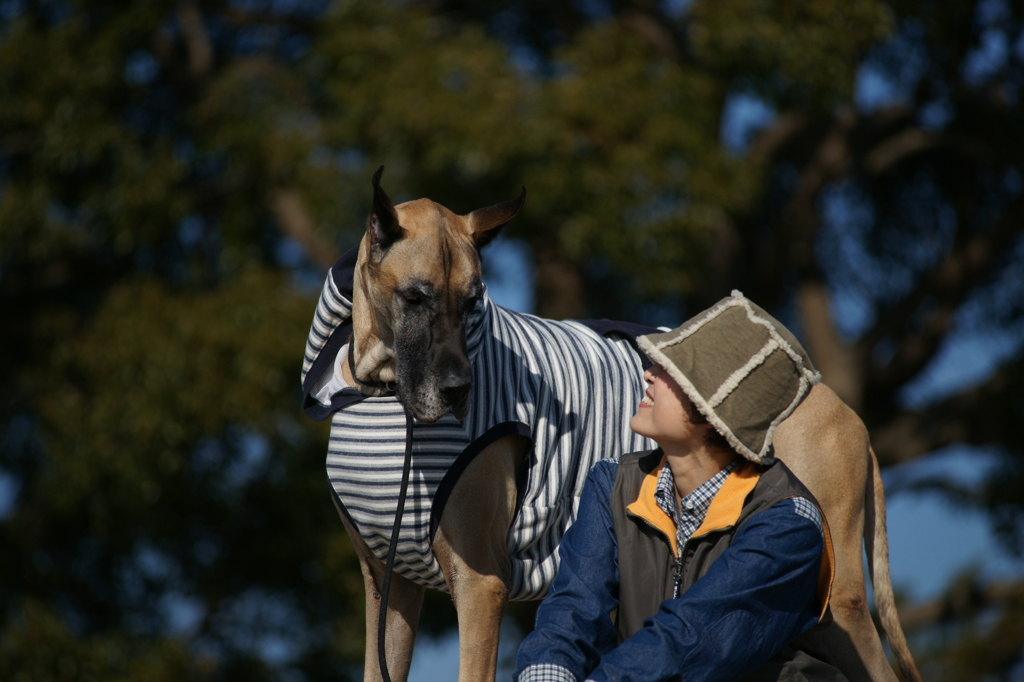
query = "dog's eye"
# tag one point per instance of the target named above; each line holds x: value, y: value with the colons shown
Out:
x: 416, y: 295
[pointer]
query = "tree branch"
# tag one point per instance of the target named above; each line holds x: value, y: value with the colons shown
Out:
x: 647, y: 19
x: 897, y: 148
x: 197, y: 40
x: 774, y: 137
x: 293, y: 215
x: 966, y: 599
x: 797, y: 226
x: 560, y: 287
x: 948, y: 284
x: 985, y: 414
x: 835, y: 359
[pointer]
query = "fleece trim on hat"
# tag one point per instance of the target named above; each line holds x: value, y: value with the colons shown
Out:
x: 762, y: 376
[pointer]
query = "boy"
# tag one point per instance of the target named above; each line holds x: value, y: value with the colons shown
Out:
x: 705, y: 559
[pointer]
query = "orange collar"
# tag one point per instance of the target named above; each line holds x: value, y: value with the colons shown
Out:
x: 724, y: 510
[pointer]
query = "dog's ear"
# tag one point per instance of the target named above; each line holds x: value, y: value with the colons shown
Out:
x: 485, y: 223
x: 383, y: 224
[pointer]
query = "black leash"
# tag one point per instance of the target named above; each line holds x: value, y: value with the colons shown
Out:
x: 389, y: 565
x: 378, y: 385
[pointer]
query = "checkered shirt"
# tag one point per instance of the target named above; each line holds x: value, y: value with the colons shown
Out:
x: 690, y: 511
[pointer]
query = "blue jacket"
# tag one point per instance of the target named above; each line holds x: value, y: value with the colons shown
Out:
x: 749, y: 604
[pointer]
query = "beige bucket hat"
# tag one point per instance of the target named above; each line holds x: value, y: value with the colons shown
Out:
x: 742, y: 369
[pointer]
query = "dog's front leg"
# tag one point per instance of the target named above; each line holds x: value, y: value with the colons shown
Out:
x: 405, y: 601
x: 471, y: 546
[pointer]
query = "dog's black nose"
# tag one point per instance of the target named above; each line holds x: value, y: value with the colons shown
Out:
x: 455, y: 386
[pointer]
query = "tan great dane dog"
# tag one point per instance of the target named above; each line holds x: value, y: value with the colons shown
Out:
x: 418, y: 270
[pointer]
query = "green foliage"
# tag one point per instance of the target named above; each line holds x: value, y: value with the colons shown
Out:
x: 619, y: 149
x: 805, y: 53
x: 633, y: 169
x: 146, y: 371
x: 80, y: 176
x: 416, y: 88
x: 39, y: 647
x: 171, y: 515
x: 174, y: 463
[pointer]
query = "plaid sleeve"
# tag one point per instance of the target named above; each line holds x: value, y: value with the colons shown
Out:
x: 805, y: 508
x: 546, y: 672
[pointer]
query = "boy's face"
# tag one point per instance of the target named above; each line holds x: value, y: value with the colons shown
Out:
x: 664, y: 414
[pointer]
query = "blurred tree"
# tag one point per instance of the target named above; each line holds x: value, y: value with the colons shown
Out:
x: 972, y: 633
x: 169, y: 516
x: 176, y: 177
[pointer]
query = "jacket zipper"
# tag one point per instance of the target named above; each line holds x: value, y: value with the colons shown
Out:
x: 678, y: 566
x: 680, y: 562
x: 677, y: 575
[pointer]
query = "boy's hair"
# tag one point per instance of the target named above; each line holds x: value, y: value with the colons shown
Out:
x: 712, y: 438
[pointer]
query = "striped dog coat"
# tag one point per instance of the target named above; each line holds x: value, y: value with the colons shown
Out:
x: 564, y: 385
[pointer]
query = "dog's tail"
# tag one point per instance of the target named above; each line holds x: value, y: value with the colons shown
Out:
x: 877, y: 544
